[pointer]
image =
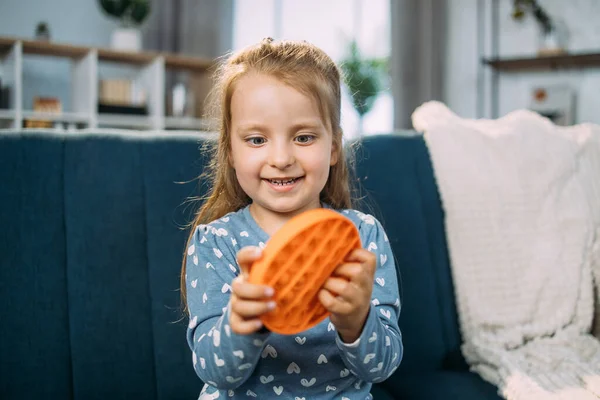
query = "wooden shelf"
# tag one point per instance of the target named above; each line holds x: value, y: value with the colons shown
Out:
x: 75, y: 52
x: 551, y: 62
x: 125, y: 121
x: 7, y: 114
x: 150, y: 71
x: 185, y: 123
x: 62, y: 117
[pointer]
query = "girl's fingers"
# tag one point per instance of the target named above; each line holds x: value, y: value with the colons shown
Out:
x: 251, y: 309
x: 340, y: 287
x: 348, y: 270
x: 246, y: 257
x: 333, y: 304
x: 242, y: 326
x: 248, y: 291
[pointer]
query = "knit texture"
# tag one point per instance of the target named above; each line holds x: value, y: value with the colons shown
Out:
x: 522, y: 204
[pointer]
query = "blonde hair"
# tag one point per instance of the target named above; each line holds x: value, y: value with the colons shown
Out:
x: 300, y: 65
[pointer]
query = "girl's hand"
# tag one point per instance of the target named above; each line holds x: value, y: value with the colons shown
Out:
x: 248, y: 301
x: 347, y: 293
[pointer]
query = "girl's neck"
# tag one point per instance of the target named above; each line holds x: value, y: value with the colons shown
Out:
x: 271, y: 221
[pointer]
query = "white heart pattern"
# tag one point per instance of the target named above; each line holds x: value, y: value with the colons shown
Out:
x: 269, y: 351
x: 231, y: 379
x: 245, y: 366
x: 386, y: 313
x: 330, y: 327
x: 233, y: 242
x: 226, y: 288
x: 209, y: 265
x: 239, y: 354
x: 380, y: 281
x: 203, y: 239
x: 228, y: 330
x: 299, y: 398
x: 217, y: 338
x: 373, y: 337
x: 266, y: 379
x: 372, y: 246
x: 369, y: 357
x: 344, y: 373
x: 194, y: 283
x: 330, y: 388
x: 322, y: 359
x: 194, y: 359
x: 293, y: 368
x: 375, y: 302
x: 250, y: 393
x: 278, y: 390
x: 261, y: 245
x: 383, y: 259
x: 387, y: 341
x: 244, y: 234
x: 379, y: 368
x: 300, y: 340
x: 218, y: 361
x: 397, y: 303
x: 204, y: 297
x: 231, y: 393
x: 217, y: 252
x: 232, y: 268
x: 191, y: 250
x: 202, y: 363
x: 306, y: 383
x: 195, y: 259
x: 225, y: 219
x: 258, y: 342
x: 193, y: 322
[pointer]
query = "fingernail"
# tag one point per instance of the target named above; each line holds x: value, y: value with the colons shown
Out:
x: 271, y: 305
x: 269, y: 292
x: 257, y: 251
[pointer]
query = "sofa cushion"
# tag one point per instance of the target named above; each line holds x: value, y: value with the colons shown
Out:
x: 394, y: 172
x: 34, y: 319
x: 167, y: 185
x: 444, y: 385
x: 109, y: 292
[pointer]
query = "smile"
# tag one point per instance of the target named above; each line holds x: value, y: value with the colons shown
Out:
x: 284, y: 182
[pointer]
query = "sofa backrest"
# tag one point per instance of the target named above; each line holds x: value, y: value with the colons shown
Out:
x: 396, y: 176
x: 92, y: 239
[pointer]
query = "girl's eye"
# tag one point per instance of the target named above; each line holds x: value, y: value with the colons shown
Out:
x: 305, y: 139
x: 256, y: 141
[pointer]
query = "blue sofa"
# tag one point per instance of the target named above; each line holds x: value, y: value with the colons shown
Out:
x: 90, y: 254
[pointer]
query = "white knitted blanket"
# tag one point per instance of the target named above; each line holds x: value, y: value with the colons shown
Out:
x: 522, y: 205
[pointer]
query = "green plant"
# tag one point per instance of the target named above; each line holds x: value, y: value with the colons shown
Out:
x: 129, y: 12
x: 521, y: 6
x: 364, y: 78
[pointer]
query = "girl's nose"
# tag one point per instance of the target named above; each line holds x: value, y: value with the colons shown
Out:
x: 281, y: 156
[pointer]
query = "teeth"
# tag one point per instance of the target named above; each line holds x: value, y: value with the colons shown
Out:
x: 280, y: 182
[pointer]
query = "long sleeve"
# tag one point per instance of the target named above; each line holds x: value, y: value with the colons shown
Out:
x: 220, y: 357
x: 377, y: 353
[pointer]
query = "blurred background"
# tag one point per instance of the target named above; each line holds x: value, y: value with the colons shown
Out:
x: 483, y: 58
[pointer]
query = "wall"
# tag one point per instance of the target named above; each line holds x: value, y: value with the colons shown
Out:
x: 464, y: 76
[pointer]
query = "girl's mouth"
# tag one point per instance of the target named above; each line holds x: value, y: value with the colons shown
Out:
x: 283, y: 185
x: 283, y: 182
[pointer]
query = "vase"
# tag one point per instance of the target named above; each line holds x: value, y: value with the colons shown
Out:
x: 552, y: 41
x: 126, y: 39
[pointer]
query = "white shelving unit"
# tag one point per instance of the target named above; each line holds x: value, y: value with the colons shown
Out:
x: 151, y: 68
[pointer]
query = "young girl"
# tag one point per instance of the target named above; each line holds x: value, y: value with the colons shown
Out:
x: 280, y: 153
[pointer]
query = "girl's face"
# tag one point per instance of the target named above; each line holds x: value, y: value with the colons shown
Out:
x: 280, y: 148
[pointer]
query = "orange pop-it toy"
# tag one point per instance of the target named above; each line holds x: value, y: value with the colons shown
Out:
x: 297, y: 261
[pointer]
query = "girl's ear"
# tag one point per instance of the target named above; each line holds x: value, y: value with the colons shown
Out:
x: 335, y: 149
